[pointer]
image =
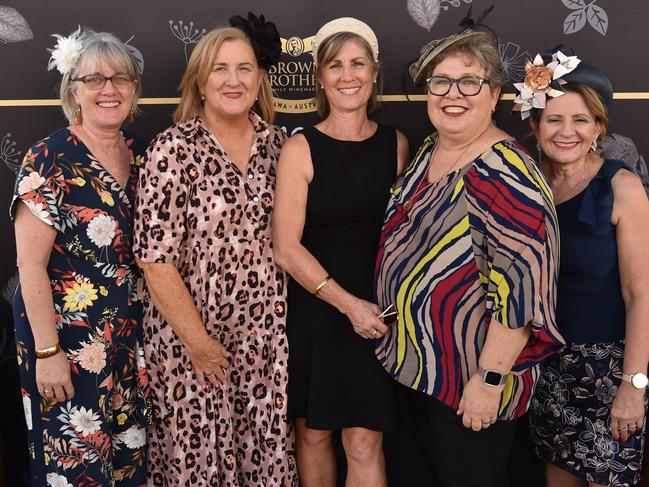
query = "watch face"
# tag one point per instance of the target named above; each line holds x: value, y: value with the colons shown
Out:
x: 639, y: 381
x: 493, y: 378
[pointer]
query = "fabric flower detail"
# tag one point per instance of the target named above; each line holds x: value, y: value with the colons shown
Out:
x: 66, y: 52
x: 134, y: 437
x: 30, y: 183
x: 564, y: 65
x: 39, y: 211
x: 92, y: 357
x: 79, y: 296
x: 264, y: 37
x: 539, y: 81
x: 84, y: 421
x: 101, y: 230
x: 57, y: 480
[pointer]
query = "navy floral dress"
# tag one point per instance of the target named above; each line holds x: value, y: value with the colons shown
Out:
x: 98, y: 437
x: 570, y: 414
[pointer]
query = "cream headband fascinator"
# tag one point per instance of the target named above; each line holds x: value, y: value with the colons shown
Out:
x: 346, y: 24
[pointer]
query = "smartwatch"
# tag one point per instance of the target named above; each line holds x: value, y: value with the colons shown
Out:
x: 639, y: 380
x: 492, y: 378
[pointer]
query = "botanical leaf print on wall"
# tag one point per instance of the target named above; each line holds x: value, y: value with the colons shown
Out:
x: 187, y: 34
x: 426, y: 12
x: 13, y: 26
x: 582, y: 12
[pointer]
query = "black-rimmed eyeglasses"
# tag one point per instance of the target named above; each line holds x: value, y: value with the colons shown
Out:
x: 98, y: 81
x: 466, y: 85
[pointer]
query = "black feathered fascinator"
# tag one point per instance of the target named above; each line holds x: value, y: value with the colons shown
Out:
x: 264, y: 37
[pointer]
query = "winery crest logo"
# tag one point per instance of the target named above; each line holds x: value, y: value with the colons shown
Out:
x: 293, y: 78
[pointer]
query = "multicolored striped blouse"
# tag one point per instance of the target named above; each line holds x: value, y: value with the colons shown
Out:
x: 478, y: 245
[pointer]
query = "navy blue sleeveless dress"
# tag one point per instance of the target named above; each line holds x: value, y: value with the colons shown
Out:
x: 335, y: 380
x: 571, y: 410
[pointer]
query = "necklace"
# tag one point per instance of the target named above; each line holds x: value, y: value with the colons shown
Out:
x: 425, y: 179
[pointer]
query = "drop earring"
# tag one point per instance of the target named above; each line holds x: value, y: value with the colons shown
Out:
x: 77, y: 116
x: 131, y: 114
x: 593, y: 146
x: 539, y: 151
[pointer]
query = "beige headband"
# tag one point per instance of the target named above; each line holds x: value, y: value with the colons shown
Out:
x: 346, y: 24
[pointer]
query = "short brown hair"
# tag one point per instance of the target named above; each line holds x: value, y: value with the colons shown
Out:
x: 327, y: 51
x: 482, y: 47
x: 199, y: 68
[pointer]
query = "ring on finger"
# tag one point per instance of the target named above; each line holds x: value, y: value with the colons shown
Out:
x: 374, y: 332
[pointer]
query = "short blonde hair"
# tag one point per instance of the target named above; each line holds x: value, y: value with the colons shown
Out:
x: 199, y: 68
x: 327, y: 51
x: 99, y: 47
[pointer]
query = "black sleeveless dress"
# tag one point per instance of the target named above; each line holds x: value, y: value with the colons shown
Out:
x: 335, y: 380
x: 571, y: 409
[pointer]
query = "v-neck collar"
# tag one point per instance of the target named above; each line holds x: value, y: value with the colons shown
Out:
x: 260, y: 131
x: 122, y: 190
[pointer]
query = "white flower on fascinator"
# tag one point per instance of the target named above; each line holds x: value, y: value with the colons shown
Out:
x: 66, y: 52
x: 565, y: 64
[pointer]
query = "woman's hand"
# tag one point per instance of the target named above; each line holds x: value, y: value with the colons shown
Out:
x: 364, y: 317
x: 479, y: 404
x: 209, y: 359
x: 627, y: 412
x: 53, y: 378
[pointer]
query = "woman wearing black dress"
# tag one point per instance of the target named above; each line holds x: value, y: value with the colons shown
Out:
x: 332, y: 189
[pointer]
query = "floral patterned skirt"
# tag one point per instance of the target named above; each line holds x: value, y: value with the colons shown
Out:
x: 570, y: 416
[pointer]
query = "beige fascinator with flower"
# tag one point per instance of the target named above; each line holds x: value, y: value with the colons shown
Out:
x: 542, y: 80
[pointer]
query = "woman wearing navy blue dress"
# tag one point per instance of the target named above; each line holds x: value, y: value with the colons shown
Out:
x: 587, y: 418
x: 77, y: 319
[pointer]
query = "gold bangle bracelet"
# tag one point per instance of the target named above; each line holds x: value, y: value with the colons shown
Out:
x: 48, y: 352
x: 322, y: 284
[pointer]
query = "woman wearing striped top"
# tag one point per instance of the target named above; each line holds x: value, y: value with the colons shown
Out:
x: 468, y: 259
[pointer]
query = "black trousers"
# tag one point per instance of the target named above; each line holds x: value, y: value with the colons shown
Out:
x: 459, y: 456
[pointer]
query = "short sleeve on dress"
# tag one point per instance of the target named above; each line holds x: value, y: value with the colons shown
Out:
x: 162, y: 199
x: 40, y: 184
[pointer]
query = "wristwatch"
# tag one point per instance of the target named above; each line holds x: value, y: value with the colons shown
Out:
x: 492, y: 378
x: 638, y: 380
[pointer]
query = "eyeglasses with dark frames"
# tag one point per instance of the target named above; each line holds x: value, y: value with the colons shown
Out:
x: 98, y: 81
x: 466, y: 85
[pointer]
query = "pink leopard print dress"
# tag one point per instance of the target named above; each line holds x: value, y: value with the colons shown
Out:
x: 199, y: 212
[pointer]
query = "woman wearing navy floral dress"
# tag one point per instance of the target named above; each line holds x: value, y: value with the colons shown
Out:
x: 77, y: 319
x: 587, y: 415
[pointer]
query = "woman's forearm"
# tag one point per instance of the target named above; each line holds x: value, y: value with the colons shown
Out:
x: 37, y: 295
x: 636, y: 349
x: 503, y: 346
x: 175, y: 304
x: 309, y: 273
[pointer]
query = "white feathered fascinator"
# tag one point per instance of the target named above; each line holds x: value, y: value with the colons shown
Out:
x: 66, y: 52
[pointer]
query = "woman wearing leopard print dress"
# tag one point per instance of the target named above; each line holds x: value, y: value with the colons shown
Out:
x: 214, y: 318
